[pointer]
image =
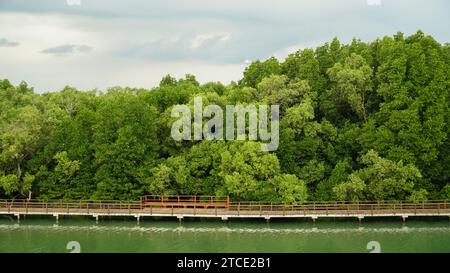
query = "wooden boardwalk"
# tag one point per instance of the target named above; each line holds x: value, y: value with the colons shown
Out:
x: 96, y: 209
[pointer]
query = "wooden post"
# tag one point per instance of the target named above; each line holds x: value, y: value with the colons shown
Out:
x: 129, y: 209
x: 239, y: 208
x: 260, y: 209
x: 172, y: 209
x: 87, y: 207
x: 26, y: 206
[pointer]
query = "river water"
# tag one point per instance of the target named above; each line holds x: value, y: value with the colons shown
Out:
x: 125, y: 235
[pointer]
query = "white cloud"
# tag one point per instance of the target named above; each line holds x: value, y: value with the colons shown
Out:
x: 202, y: 39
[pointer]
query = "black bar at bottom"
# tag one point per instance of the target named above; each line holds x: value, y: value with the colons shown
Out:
x: 230, y: 262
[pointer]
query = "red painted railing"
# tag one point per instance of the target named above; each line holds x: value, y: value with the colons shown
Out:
x: 185, y: 201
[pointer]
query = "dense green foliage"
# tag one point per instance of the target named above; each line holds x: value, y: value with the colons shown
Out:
x: 364, y: 121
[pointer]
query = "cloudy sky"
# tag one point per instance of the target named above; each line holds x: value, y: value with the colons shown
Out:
x: 102, y: 43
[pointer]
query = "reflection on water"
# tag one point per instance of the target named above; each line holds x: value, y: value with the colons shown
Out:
x: 43, y: 235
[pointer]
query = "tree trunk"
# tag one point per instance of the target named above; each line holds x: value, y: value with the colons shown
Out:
x: 19, y: 170
x: 19, y: 176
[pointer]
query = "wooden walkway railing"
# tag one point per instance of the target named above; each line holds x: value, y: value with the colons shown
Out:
x: 235, y: 209
x: 185, y: 201
x: 346, y: 208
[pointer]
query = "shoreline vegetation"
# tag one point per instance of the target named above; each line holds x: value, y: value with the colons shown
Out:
x: 358, y: 122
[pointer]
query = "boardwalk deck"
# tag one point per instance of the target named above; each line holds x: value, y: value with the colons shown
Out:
x: 314, y: 211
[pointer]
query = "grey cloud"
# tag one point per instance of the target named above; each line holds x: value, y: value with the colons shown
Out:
x: 6, y: 43
x: 208, y: 47
x: 258, y: 30
x: 114, y: 9
x: 83, y: 48
x: 167, y: 35
x: 67, y: 49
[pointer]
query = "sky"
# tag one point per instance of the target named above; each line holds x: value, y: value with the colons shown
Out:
x: 91, y: 44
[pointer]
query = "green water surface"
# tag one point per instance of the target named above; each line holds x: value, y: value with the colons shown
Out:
x: 125, y: 235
